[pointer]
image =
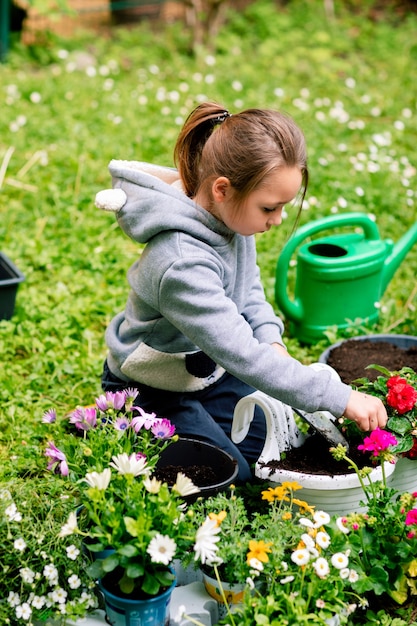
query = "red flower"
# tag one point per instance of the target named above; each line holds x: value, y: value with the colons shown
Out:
x: 378, y: 441
x: 411, y: 517
x: 401, y: 396
x: 412, y: 453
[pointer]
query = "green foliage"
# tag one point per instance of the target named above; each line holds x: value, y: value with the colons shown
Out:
x: 71, y: 107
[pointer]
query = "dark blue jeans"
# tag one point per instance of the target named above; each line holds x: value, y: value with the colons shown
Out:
x: 206, y: 415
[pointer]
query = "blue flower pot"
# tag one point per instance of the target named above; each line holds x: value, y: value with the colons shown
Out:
x: 122, y: 611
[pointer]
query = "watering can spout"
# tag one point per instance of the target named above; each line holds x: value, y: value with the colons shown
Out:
x: 397, y: 256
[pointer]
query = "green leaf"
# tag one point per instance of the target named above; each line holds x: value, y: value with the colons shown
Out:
x: 134, y: 570
x: 110, y: 563
x: 128, y: 550
x: 150, y: 584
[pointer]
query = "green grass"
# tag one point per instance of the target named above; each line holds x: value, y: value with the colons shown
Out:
x: 70, y: 107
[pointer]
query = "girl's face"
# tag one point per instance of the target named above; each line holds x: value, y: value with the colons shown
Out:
x: 263, y: 207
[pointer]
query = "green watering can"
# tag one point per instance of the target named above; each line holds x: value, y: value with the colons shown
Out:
x: 340, y: 278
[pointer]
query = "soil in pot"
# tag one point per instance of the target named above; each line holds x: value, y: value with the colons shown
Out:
x: 352, y: 357
x: 201, y: 475
x: 313, y: 457
x: 350, y: 360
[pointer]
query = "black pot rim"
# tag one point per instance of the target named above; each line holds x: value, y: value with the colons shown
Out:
x: 402, y: 341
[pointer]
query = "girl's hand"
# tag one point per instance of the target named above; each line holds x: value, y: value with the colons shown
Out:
x: 366, y: 411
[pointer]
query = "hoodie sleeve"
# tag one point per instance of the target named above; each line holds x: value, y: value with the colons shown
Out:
x: 192, y: 298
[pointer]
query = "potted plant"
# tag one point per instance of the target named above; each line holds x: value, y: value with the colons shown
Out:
x: 382, y: 541
x: 135, y: 523
x: 281, y: 553
x: 330, y: 488
x: 398, y: 392
x: 42, y: 575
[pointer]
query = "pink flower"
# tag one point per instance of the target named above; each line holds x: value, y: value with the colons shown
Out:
x: 146, y: 420
x: 84, y: 418
x: 58, y: 460
x: 401, y: 395
x: 378, y: 441
x: 411, y: 517
x: 163, y: 429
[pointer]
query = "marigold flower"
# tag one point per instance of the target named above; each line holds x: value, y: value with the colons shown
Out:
x: 219, y: 517
x: 258, y: 550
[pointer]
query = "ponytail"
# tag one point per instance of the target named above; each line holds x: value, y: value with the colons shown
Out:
x: 190, y: 143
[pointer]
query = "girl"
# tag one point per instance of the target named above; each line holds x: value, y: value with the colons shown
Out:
x: 197, y: 333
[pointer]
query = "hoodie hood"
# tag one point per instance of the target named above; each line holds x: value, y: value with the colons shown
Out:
x: 155, y: 202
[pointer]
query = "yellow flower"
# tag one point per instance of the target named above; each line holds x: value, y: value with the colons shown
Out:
x: 218, y: 517
x: 292, y: 485
x: 286, y: 516
x: 276, y: 493
x: 258, y: 550
x: 303, y: 505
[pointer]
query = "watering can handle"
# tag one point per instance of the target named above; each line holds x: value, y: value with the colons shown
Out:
x: 292, y: 309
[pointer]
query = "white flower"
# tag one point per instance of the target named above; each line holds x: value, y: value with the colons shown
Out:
x: 50, y: 572
x: 70, y: 527
x: 13, y: 598
x: 125, y: 464
x: 153, y: 485
x: 38, y: 602
x: 72, y: 552
x: 185, y: 485
x: 23, y: 611
x: 287, y: 579
x: 323, y: 540
x: 250, y: 583
x: 341, y: 524
x: 19, y: 544
x: 300, y: 557
x: 339, y: 560
x: 304, y: 521
x: 321, y: 567
x: 308, y: 541
x: 100, y: 480
x: 59, y: 595
x: 321, y: 517
x: 12, y: 513
x: 161, y: 549
x: 344, y: 573
x: 74, y: 582
x: 256, y: 564
x: 205, y: 545
x: 28, y: 575
x: 353, y: 576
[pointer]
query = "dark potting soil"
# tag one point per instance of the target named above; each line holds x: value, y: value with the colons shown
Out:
x: 350, y: 360
x: 352, y: 357
x: 201, y: 475
x: 314, y: 457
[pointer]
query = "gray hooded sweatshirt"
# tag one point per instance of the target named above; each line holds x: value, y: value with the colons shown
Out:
x: 196, y: 307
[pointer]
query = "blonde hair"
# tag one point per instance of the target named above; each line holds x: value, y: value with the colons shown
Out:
x: 244, y: 147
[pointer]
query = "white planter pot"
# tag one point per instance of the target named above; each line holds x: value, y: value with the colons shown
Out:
x: 337, y: 495
x: 405, y: 475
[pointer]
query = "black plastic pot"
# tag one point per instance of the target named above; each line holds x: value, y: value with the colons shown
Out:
x: 189, y: 453
x: 10, y: 278
x: 401, y: 341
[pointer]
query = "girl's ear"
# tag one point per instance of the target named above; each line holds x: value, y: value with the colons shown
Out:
x: 221, y: 189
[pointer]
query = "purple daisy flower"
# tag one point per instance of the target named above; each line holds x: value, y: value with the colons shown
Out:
x: 57, y: 459
x: 163, y: 429
x: 49, y: 417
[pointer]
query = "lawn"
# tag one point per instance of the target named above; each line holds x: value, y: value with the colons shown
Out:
x: 69, y: 107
